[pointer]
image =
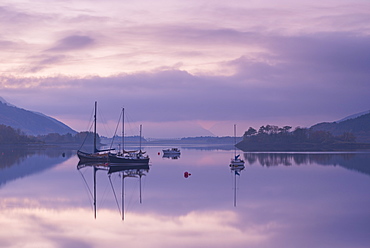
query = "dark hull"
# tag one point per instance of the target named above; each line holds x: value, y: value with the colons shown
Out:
x: 92, y: 157
x: 130, y: 161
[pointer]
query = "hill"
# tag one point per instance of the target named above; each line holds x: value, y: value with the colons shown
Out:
x: 351, y: 133
x: 29, y: 122
x: 358, y: 125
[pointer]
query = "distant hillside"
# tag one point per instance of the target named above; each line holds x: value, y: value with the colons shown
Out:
x: 31, y: 123
x: 354, y: 116
x: 359, y: 126
x: 352, y: 133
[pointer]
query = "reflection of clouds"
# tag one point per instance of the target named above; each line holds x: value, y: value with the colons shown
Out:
x: 42, y: 228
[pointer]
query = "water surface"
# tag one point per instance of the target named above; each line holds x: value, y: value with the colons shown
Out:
x: 278, y: 200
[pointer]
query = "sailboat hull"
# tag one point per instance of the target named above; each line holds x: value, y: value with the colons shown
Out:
x: 92, y: 157
x: 237, y: 164
x: 132, y: 160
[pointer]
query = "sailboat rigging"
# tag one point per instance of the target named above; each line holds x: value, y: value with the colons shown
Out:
x: 97, y: 155
x: 128, y: 157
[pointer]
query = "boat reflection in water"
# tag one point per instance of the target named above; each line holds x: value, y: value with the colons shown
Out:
x: 171, y: 156
x: 124, y: 171
x: 236, y: 170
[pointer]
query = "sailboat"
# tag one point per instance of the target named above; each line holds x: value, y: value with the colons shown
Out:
x: 97, y: 155
x: 236, y: 161
x: 128, y: 157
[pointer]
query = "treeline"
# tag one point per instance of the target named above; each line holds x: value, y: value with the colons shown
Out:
x: 275, y: 134
x: 78, y: 138
x: 274, y: 138
x: 9, y: 135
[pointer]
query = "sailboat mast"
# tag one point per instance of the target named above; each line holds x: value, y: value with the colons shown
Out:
x: 140, y: 136
x: 234, y: 140
x: 123, y: 131
x: 95, y: 169
x: 123, y: 196
x: 234, y: 188
x: 140, y: 187
x: 95, y: 150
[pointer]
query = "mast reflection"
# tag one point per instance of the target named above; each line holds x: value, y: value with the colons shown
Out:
x: 124, y: 171
x: 135, y: 171
x: 236, y: 170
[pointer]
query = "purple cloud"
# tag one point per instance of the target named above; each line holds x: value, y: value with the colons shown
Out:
x: 261, y: 64
x: 73, y: 42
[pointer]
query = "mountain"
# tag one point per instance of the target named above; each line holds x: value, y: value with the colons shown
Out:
x: 354, y: 116
x: 358, y: 125
x: 31, y: 123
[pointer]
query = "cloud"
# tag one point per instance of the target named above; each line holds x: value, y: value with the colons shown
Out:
x: 6, y: 44
x: 12, y: 16
x: 330, y: 52
x: 73, y: 42
x: 259, y: 90
x: 42, y: 62
x: 254, y: 62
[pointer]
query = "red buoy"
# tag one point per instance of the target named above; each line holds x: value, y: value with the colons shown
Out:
x: 186, y: 174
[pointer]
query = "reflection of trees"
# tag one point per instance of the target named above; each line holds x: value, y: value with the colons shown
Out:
x: 287, y: 159
x: 12, y: 155
x: 21, y: 161
x: 353, y: 161
x: 268, y: 159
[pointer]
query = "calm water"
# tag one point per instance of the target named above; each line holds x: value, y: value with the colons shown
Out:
x: 280, y: 200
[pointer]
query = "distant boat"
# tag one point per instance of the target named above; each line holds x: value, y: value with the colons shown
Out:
x: 128, y: 157
x: 97, y: 155
x: 236, y: 162
x: 171, y: 151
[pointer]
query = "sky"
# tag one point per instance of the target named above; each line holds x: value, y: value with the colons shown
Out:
x: 187, y: 68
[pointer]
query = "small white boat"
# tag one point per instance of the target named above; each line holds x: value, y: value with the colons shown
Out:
x: 236, y: 162
x: 171, y: 151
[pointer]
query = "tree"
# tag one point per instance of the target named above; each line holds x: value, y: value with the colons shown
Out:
x: 285, y: 129
x: 251, y: 131
x: 300, y: 134
x: 347, y: 137
x: 321, y: 137
x: 262, y: 130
